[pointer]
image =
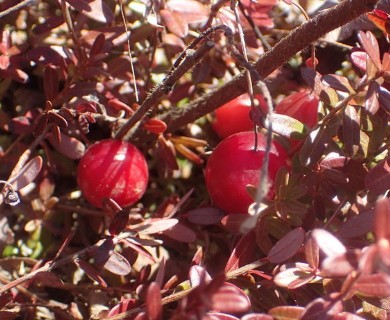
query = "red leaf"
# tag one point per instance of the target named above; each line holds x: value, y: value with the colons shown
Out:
x: 340, y: 265
x: 98, y: 45
x: 97, y: 10
x: 382, y: 219
x: 328, y: 243
x: 230, y: 299
x: 351, y: 130
x: 243, y: 253
x: 372, y: 103
x: 338, y: 83
x: 370, y: 45
x: 118, y: 264
x: 158, y: 225
x: 357, y: 226
x: 50, y: 23
x: 68, y: 146
x: 323, y: 308
x: 123, y: 306
x: 287, y: 246
x: 233, y: 222
x: 153, y: 302
x: 286, y: 312
x: 373, y: 285
x: 192, y: 11
x: 359, y: 59
x: 27, y: 174
x: 155, y: 126
x: 181, y: 232
x: 314, y: 146
x: 90, y: 271
x: 312, y: 253
x: 174, y: 23
x: 205, y: 216
x: 198, y: 275
x: 50, y: 82
x: 378, y: 178
x: 294, y: 277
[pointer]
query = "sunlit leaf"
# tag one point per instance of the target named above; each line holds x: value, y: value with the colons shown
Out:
x: 287, y: 246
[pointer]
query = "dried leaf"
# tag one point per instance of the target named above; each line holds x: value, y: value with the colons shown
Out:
x: 27, y: 174
x: 287, y: 246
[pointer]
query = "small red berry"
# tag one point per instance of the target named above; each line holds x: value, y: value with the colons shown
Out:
x: 113, y: 169
x: 234, y: 117
x: 234, y: 164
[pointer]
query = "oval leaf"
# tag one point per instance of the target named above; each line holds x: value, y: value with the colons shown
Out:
x: 205, y: 216
x: 27, y: 174
x: 287, y: 247
x: 287, y: 126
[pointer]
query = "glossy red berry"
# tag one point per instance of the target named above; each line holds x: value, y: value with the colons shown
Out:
x: 113, y: 169
x: 234, y: 164
x: 234, y: 117
x: 301, y: 105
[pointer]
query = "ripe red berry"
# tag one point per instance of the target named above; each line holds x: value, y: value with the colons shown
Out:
x: 113, y: 169
x: 301, y: 105
x: 233, y: 116
x: 234, y: 164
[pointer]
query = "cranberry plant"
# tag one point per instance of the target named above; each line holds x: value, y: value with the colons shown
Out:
x: 116, y: 200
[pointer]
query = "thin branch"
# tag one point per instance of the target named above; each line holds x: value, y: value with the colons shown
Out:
x: 296, y: 41
x: 18, y: 6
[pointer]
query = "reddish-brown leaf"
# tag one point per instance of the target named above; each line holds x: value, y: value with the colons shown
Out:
x: 90, y: 271
x: 233, y: 222
x: 286, y: 312
x: 230, y: 299
x: 48, y: 279
x: 312, y: 253
x: 50, y: 82
x: 96, y: 10
x: 372, y: 102
x: 155, y: 126
x: 357, y: 226
x: 314, y: 146
x: 382, y: 219
x: 174, y: 22
x: 373, y: 285
x: 153, y: 302
x: 158, y: 225
x: 181, y: 232
x: 323, y: 308
x: 359, y: 59
x: 351, y: 130
x: 328, y: 243
x: 98, y: 45
x: 256, y: 316
x: 192, y: 11
x: 68, y: 146
x: 219, y: 316
x: 287, y: 246
x: 294, y: 277
x: 205, y: 216
x: 340, y: 265
x: 198, y: 275
x: 338, y: 83
x: 243, y: 253
x: 370, y: 45
x: 118, y: 264
x: 378, y: 178
x: 27, y: 174
x: 123, y: 306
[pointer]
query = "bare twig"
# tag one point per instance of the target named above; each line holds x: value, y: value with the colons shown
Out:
x: 18, y: 6
x: 296, y: 41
